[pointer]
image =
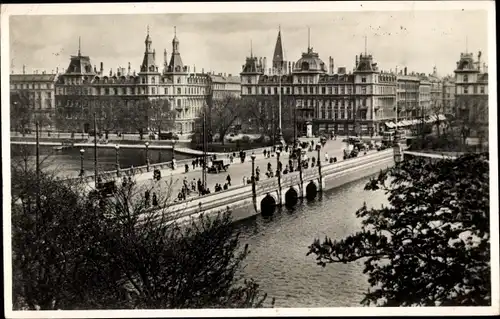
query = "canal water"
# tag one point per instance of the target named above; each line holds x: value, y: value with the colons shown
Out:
x: 278, y: 248
x: 67, y: 162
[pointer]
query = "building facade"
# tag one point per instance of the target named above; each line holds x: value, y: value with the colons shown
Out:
x: 471, y: 92
x: 313, y: 94
x: 408, y: 95
x: 449, y: 96
x: 39, y: 89
x: 185, y: 91
x: 424, y: 97
x: 222, y: 85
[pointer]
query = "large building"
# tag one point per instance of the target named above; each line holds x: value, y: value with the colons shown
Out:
x: 38, y: 88
x: 424, y: 97
x: 342, y: 102
x: 471, y: 92
x: 186, y: 90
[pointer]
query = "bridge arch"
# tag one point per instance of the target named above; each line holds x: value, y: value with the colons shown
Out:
x: 312, y: 190
x: 291, y: 197
x: 268, y: 205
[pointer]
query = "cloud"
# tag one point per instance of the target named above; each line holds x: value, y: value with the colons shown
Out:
x: 221, y: 42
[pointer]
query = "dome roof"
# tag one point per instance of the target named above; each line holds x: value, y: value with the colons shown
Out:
x: 310, y: 62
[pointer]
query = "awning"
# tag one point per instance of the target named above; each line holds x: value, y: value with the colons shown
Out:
x: 390, y: 124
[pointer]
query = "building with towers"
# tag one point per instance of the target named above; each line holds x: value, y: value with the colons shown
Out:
x: 471, y: 93
x: 317, y: 97
x: 187, y: 91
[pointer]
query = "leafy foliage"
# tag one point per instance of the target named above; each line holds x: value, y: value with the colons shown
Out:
x: 431, y: 245
x: 20, y: 111
x: 74, y: 251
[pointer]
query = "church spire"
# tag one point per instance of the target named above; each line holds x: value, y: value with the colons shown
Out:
x: 278, y: 60
x: 148, y: 41
x: 79, y: 46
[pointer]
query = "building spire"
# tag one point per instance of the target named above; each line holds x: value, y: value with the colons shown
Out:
x: 79, y: 45
x: 278, y: 59
x: 251, y: 49
x: 148, y: 29
x: 308, y: 38
x: 466, y: 44
x: 365, y: 43
x: 175, y: 31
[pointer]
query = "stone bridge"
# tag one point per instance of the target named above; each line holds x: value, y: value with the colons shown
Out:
x: 263, y: 196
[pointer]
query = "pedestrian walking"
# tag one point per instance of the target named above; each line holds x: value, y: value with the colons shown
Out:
x: 155, y: 200
x: 228, y: 178
x: 326, y: 157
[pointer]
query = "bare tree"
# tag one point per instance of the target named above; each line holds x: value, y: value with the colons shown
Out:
x: 161, y: 115
x: 20, y: 111
x: 223, y: 113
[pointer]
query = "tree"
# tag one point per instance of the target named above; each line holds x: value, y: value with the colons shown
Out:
x: 161, y: 115
x: 223, y: 113
x: 135, y: 116
x: 431, y: 245
x: 20, y: 111
x: 76, y: 251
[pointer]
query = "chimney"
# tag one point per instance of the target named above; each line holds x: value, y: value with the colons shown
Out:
x: 406, y: 70
x: 357, y: 61
x: 110, y: 72
x: 202, y: 71
x: 128, y: 68
x: 333, y: 66
x: 154, y: 54
x: 24, y: 69
x: 194, y: 69
x: 165, y: 56
x: 265, y: 64
x: 118, y: 71
x: 102, y: 68
x: 57, y: 70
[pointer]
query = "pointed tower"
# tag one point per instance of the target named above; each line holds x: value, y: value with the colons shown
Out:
x: 148, y: 62
x: 175, y: 64
x: 278, y: 60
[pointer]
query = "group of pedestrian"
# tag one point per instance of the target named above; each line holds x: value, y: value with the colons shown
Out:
x: 147, y: 197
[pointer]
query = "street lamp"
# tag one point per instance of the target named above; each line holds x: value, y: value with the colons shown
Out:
x: 253, y: 172
x: 117, y: 149
x: 280, y: 131
x: 147, y: 156
x: 82, y: 172
x: 278, y: 152
x: 318, y: 148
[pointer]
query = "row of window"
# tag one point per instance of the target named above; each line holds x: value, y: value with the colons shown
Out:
x: 21, y: 86
x: 466, y: 90
x: 128, y: 91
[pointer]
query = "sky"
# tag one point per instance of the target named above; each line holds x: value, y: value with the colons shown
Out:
x: 220, y: 42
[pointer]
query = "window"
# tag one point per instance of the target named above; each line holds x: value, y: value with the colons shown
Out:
x: 106, y: 91
x: 49, y: 94
x: 466, y: 78
x: 363, y: 80
x: 143, y: 81
x: 466, y: 90
x: 153, y: 80
x: 363, y: 89
x: 363, y: 102
x: 179, y: 103
x: 475, y: 89
x: 311, y: 90
x: 153, y: 91
x: 179, y: 91
x: 178, y: 80
x: 165, y: 90
x: 342, y: 89
x: 249, y: 80
x: 275, y: 90
x: 323, y: 90
x: 482, y: 90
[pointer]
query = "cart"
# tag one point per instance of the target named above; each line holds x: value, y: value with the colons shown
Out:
x: 218, y: 165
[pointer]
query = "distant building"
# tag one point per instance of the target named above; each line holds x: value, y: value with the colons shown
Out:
x: 222, y: 85
x: 408, y: 95
x: 448, y: 99
x: 187, y: 91
x: 471, y: 92
x: 39, y: 89
x: 424, y: 97
x: 342, y: 102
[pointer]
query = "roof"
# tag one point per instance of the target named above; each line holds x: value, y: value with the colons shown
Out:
x: 310, y: 62
x: 278, y: 50
x: 80, y: 64
x: 274, y: 79
x: 176, y: 64
x: 466, y: 63
x: 33, y: 77
x: 225, y: 79
x: 329, y: 78
x: 252, y: 66
x: 366, y: 64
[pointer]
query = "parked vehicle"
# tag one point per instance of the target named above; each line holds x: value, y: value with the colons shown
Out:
x: 219, y: 165
x: 168, y: 136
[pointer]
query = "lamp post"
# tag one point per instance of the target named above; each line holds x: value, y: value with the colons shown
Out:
x: 173, y: 154
x: 117, y: 162
x: 280, y: 131
x: 299, y: 155
x: 253, y: 172
x: 147, y: 156
x: 278, y: 173
x: 318, y: 148
x: 82, y: 172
